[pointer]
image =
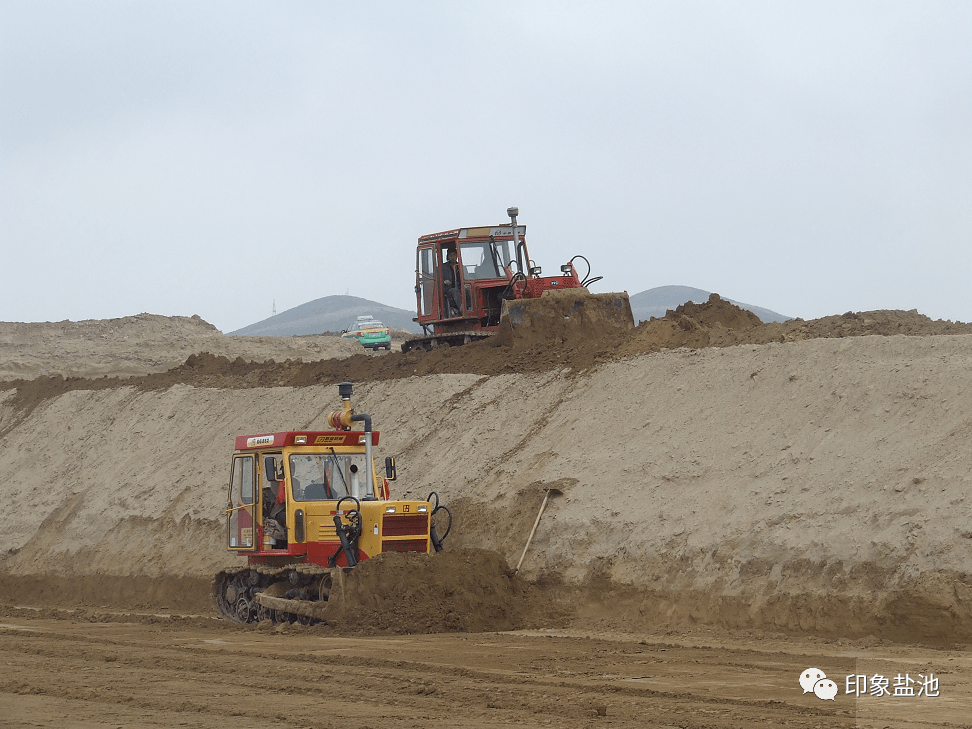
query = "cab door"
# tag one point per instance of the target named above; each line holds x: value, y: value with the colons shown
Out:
x: 240, y: 506
x: 272, y: 518
x: 426, y: 283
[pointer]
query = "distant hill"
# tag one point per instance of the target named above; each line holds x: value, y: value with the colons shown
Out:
x: 656, y: 301
x: 329, y: 314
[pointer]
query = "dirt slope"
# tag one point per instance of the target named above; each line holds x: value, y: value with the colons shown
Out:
x: 259, y: 361
x: 137, y: 345
x: 814, y: 484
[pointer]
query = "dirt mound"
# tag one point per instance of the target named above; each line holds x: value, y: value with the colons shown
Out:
x: 565, y: 319
x: 716, y: 323
x: 467, y: 590
x: 716, y: 312
x: 137, y: 345
x: 857, y: 324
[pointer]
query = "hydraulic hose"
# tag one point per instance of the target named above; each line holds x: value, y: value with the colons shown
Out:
x: 347, y: 533
x: 587, y: 280
x: 433, y: 533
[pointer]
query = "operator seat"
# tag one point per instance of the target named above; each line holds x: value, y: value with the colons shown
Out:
x: 316, y: 492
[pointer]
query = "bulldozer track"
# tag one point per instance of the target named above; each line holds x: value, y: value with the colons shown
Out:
x: 450, y: 339
x: 238, y: 592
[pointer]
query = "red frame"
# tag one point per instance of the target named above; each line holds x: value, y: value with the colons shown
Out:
x: 314, y: 438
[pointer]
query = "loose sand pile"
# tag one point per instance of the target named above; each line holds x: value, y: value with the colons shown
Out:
x: 464, y: 590
x: 801, y: 476
x: 716, y: 323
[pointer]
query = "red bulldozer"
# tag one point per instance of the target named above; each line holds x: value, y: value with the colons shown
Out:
x: 470, y: 281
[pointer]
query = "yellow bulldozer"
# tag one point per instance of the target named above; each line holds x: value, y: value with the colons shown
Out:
x: 304, y: 507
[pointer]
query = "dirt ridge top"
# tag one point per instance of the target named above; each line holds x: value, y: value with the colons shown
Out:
x: 715, y: 323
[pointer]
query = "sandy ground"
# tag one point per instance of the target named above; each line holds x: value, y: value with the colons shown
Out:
x: 796, y: 494
x: 808, y: 486
x: 138, y: 345
x: 89, y: 672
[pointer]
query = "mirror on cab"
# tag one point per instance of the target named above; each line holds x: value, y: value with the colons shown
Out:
x: 390, y: 473
x: 273, y: 468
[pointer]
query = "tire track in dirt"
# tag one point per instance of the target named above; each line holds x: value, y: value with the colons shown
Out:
x: 295, y: 677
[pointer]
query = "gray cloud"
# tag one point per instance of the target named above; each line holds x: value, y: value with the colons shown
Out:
x: 211, y: 158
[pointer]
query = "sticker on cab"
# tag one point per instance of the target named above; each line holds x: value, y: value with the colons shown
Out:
x: 325, y: 439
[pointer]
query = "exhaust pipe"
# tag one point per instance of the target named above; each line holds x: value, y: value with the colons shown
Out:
x: 513, y: 212
x: 342, y: 420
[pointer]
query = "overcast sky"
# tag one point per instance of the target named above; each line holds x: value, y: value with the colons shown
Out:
x: 211, y: 158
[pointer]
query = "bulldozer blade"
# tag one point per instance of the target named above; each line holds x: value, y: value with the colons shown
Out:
x: 329, y: 609
x: 567, y: 313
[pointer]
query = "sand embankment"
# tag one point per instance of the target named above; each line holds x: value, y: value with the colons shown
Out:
x: 138, y: 345
x: 812, y: 485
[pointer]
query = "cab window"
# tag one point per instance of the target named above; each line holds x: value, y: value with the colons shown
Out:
x: 478, y: 261
x: 241, y: 488
x: 326, y: 476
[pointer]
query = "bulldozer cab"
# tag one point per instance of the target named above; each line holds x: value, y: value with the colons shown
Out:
x: 488, y: 260
x: 434, y: 281
x: 278, y: 483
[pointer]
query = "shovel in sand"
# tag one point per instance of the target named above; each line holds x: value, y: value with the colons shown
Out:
x: 549, y: 492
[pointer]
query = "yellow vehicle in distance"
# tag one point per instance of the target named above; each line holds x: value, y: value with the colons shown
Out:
x: 370, y: 332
